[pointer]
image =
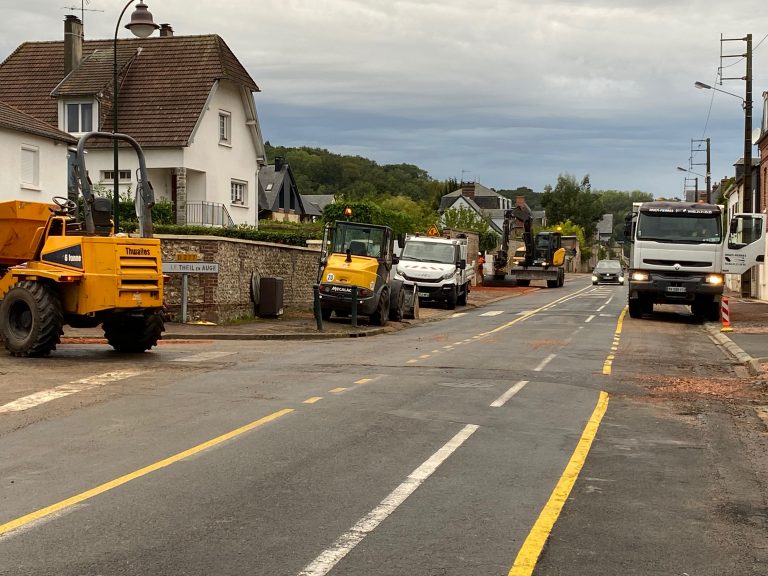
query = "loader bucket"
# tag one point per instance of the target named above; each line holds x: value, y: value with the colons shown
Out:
x: 19, y: 225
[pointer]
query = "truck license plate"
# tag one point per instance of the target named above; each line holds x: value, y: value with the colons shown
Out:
x: 675, y: 288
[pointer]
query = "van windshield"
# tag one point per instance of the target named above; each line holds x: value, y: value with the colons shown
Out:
x: 429, y: 252
x: 676, y: 227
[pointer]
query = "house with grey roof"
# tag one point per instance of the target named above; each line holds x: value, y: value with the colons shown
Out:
x: 35, y: 157
x: 279, y: 197
x: 187, y: 100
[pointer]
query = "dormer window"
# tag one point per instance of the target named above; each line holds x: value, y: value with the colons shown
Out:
x: 78, y: 117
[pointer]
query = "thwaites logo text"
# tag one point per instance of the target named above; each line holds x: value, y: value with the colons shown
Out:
x: 137, y: 251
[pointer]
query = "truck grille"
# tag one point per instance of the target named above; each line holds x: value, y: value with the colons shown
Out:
x: 686, y: 263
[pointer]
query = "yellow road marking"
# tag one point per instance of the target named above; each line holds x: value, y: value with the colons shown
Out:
x: 88, y: 494
x: 312, y: 400
x: 608, y: 364
x: 337, y: 390
x: 424, y: 356
x: 534, y: 543
x: 363, y: 380
x: 411, y: 361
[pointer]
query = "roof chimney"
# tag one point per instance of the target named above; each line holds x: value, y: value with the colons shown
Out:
x: 166, y: 30
x: 73, y: 43
x: 279, y: 163
x: 468, y: 189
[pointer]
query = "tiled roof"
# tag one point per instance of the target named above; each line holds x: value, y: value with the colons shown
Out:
x: 14, y: 119
x: 164, y: 83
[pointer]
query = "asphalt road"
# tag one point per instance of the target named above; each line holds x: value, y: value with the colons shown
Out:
x: 436, y: 450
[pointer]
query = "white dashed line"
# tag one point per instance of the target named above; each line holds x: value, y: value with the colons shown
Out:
x: 492, y: 313
x: 203, y: 357
x: 501, y: 400
x: 544, y: 362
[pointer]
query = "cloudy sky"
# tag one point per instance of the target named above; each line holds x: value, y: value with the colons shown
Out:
x: 504, y: 92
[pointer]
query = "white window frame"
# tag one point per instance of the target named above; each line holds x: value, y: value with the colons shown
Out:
x: 79, y: 103
x: 225, y: 128
x: 123, y: 175
x: 238, y: 192
x: 30, y: 167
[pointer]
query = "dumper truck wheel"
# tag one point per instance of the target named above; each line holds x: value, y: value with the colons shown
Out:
x: 31, y: 319
x: 397, y: 313
x: 133, y: 334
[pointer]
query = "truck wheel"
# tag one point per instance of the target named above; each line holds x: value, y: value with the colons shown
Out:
x: 461, y: 300
x: 31, y: 319
x: 635, y: 308
x: 133, y: 334
x: 451, y: 298
x: 646, y: 304
x: 523, y: 283
x: 713, y: 312
x: 561, y: 279
x: 380, y: 316
x: 326, y: 313
x: 553, y: 283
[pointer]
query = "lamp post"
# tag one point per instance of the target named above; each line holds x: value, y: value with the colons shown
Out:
x: 142, y: 26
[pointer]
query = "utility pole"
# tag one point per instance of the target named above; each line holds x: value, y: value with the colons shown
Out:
x: 696, y: 147
x: 748, y: 193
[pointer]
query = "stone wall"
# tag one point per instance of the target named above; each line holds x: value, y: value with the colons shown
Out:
x: 226, y: 296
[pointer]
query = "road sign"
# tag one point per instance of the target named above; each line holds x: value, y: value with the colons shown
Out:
x: 191, y: 267
x: 187, y: 257
x: 433, y: 231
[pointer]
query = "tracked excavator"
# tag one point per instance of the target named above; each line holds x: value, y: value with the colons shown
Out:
x: 59, y: 269
x: 543, y: 259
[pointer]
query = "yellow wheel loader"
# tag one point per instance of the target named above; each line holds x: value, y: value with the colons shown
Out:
x: 56, y: 269
x: 355, y: 265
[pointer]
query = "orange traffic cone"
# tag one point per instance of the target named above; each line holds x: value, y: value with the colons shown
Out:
x: 725, y: 315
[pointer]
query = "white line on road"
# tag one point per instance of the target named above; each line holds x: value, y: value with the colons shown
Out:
x: 347, y: 541
x: 601, y: 308
x: 74, y: 387
x: 492, y: 313
x: 608, y: 301
x: 501, y: 400
x: 457, y: 314
x: 544, y: 362
x: 590, y: 318
x: 203, y: 357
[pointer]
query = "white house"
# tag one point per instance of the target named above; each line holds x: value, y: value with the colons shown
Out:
x: 34, y: 157
x: 186, y: 99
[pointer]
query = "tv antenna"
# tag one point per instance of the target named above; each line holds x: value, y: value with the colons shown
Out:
x: 83, y: 9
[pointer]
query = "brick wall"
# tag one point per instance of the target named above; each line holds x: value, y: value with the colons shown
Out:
x: 227, y: 295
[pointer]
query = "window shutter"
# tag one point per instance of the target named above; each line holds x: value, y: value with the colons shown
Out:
x: 29, y: 166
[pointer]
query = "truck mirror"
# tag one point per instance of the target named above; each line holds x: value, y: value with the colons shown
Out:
x: 734, y: 226
x: 462, y: 264
x: 395, y: 259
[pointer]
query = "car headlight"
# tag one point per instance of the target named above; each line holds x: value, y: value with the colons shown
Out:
x: 621, y: 279
x: 639, y: 276
x: 715, y: 279
x: 594, y: 278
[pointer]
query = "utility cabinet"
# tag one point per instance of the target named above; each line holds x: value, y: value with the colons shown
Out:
x: 270, y: 297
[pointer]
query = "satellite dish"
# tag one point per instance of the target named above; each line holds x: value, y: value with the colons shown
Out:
x: 756, y: 134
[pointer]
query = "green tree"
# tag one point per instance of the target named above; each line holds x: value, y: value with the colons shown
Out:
x: 571, y: 200
x: 620, y: 204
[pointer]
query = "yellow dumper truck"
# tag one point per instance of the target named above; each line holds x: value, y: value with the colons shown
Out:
x: 57, y: 269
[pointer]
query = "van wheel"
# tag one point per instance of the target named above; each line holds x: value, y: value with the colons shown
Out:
x: 450, y: 300
x: 462, y: 298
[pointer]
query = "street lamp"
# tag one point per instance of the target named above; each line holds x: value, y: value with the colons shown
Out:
x: 703, y: 86
x: 142, y: 26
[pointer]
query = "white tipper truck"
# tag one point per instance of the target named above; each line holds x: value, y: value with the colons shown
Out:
x: 680, y: 252
x: 437, y: 267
